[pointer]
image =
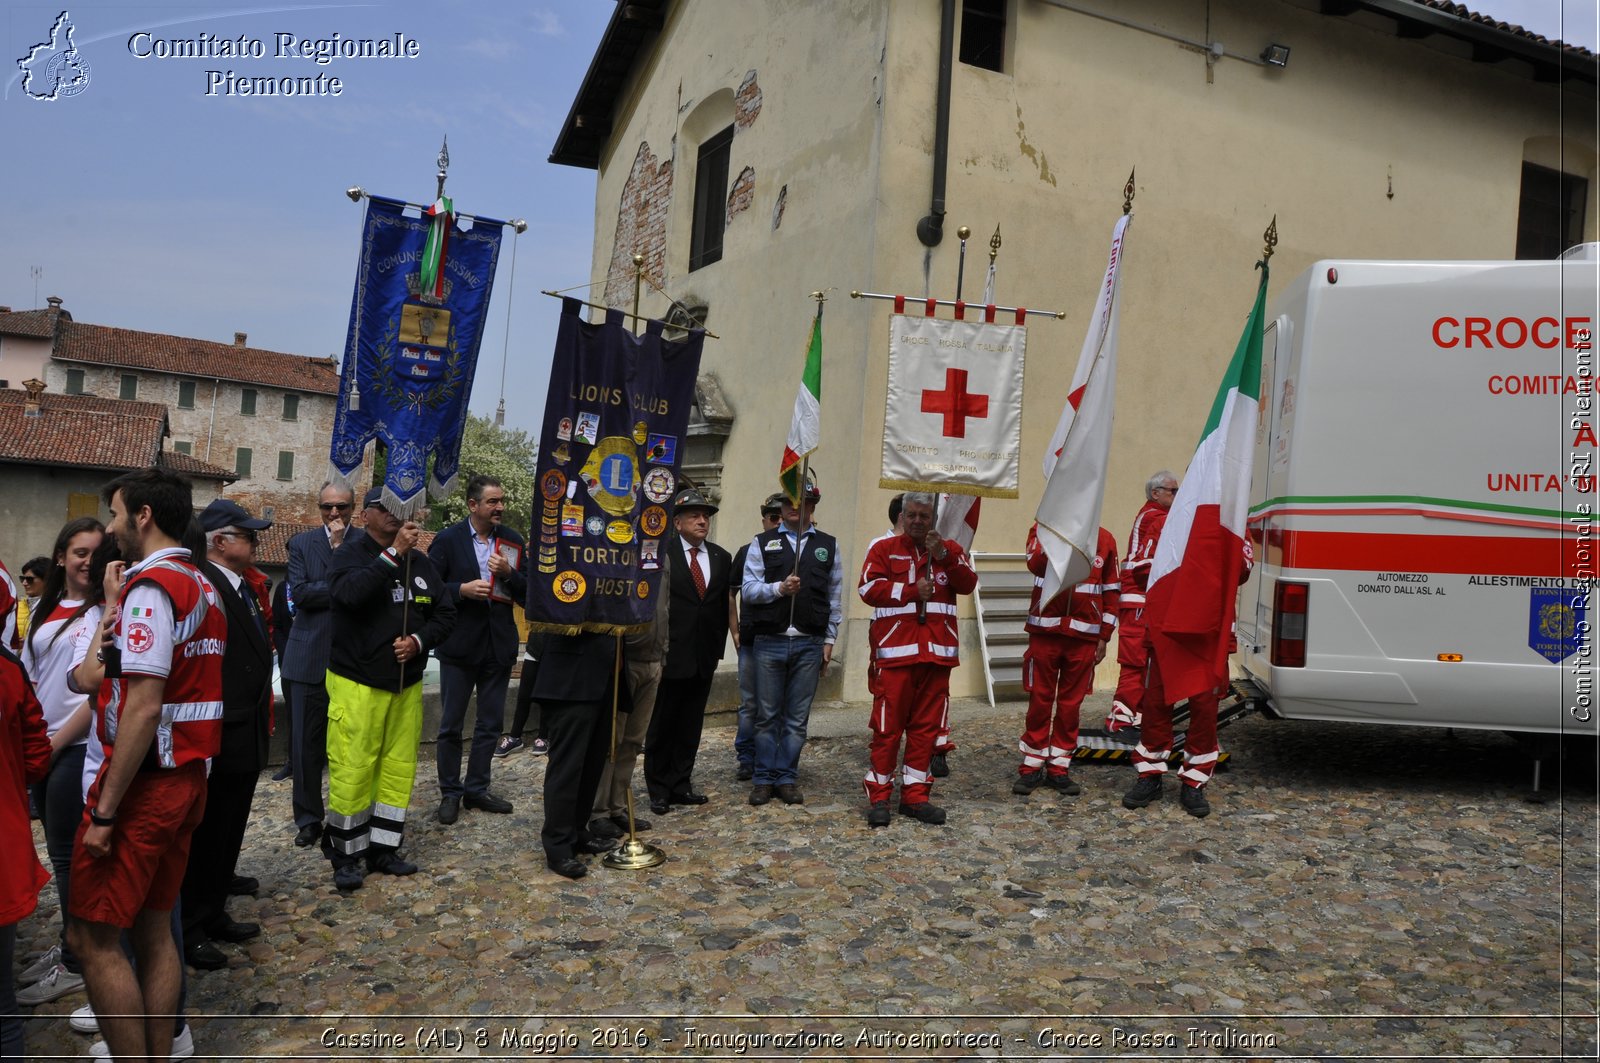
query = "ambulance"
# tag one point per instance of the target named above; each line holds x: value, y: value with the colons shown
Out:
x: 1423, y: 499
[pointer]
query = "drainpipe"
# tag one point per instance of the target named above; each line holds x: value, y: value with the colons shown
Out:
x: 216, y: 386
x: 930, y: 230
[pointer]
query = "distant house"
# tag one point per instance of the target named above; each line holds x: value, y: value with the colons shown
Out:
x: 57, y: 450
x: 265, y: 415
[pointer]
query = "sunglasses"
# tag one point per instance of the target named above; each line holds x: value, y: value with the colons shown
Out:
x: 247, y: 536
x: 335, y: 507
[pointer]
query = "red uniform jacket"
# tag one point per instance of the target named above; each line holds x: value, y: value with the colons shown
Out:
x: 1089, y: 610
x: 889, y: 584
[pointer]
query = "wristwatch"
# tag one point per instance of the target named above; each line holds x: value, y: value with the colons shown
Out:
x: 101, y: 821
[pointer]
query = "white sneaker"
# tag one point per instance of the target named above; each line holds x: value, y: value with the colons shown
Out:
x: 83, y: 1020
x: 57, y: 983
x: 40, y: 967
x: 182, y: 1046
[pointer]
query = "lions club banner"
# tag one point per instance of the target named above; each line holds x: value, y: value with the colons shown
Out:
x: 953, y: 421
x: 412, y: 349
x: 615, y: 420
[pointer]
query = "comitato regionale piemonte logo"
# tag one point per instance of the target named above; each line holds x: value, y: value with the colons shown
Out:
x: 54, y: 69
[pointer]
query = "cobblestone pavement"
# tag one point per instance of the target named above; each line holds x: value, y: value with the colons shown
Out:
x: 1358, y: 891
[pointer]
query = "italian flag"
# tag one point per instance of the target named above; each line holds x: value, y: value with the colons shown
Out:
x: 1194, y: 581
x: 805, y: 429
x: 441, y: 215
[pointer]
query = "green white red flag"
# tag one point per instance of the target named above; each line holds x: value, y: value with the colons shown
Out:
x: 438, y: 244
x: 805, y: 428
x: 1194, y: 582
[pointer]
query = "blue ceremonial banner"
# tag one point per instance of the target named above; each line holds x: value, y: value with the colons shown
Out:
x: 1555, y: 621
x: 411, y: 353
x: 614, y: 422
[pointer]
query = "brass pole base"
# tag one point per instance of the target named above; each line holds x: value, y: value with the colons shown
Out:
x: 634, y: 855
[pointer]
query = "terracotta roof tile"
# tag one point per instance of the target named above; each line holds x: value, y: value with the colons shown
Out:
x: 192, y: 467
x: 104, y: 345
x: 38, y: 324
x: 81, y: 431
x: 1463, y: 11
x: 273, y: 547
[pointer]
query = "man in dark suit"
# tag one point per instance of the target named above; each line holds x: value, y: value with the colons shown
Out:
x: 282, y: 621
x: 480, y: 562
x: 230, y: 533
x: 701, y: 609
x: 305, y: 663
x: 573, y: 688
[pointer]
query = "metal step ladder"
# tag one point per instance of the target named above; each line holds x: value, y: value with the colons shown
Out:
x: 1005, y: 587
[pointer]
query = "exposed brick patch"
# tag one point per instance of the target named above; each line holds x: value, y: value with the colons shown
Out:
x: 641, y: 225
x: 747, y: 102
x: 742, y: 192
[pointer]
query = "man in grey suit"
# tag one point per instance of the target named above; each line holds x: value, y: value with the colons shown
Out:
x: 305, y: 660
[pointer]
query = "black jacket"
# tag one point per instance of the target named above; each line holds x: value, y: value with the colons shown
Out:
x: 246, y: 680
x: 485, y: 632
x: 369, y: 611
x: 697, y: 629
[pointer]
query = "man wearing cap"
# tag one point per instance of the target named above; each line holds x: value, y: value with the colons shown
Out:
x: 480, y: 561
x: 389, y: 609
x: 793, y: 578
x: 231, y: 534
x: 744, y: 738
x: 697, y: 634
x: 1128, y: 701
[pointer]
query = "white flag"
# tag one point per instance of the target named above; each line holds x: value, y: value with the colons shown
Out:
x: 1069, y: 512
x: 958, y: 518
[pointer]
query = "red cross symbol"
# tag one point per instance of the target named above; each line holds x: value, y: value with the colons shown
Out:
x: 955, y: 403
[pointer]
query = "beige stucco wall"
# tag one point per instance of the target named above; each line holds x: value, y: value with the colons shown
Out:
x: 1043, y: 150
x: 22, y: 358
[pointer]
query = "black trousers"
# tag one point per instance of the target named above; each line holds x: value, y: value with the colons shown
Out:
x: 214, y: 850
x: 579, y: 734
x: 673, y: 741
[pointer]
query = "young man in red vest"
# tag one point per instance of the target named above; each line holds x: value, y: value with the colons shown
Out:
x: 159, y: 721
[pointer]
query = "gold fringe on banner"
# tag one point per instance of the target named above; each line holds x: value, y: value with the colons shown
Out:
x: 948, y: 489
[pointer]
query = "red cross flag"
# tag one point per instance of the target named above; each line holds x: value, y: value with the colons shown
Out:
x: 953, y: 420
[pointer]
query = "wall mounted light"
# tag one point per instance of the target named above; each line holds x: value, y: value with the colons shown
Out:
x: 1275, y: 55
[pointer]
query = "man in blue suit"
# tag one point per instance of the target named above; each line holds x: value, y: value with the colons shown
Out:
x: 480, y: 561
x: 304, y: 663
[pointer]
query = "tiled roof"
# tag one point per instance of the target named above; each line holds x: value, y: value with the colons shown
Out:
x: 81, y: 431
x: 273, y: 547
x: 203, y: 359
x: 192, y: 467
x: 37, y: 324
x: 1462, y: 11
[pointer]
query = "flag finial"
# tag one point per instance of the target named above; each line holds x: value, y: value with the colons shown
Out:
x: 1271, y: 238
x: 994, y: 245
x: 1127, y: 194
x: 444, y: 164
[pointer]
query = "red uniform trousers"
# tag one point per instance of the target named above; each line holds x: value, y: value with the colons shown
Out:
x: 1057, y: 672
x: 913, y: 700
x: 1133, y: 655
x: 1155, y: 740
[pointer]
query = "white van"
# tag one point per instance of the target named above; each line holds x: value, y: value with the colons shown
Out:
x: 1423, y: 501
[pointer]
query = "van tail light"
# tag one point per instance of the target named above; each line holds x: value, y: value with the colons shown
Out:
x: 1289, y: 606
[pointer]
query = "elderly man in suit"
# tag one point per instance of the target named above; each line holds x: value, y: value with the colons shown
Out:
x: 480, y: 561
x: 701, y: 612
x: 304, y: 664
x: 231, y: 534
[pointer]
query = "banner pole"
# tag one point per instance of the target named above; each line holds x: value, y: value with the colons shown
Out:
x: 961, y: 263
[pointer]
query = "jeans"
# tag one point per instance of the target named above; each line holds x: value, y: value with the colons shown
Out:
x: 787, y: 670
x: 456, y: 684
x: 59, y: 799
x: 744, y: 740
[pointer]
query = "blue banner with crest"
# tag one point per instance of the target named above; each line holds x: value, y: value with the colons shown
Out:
x: 411, y: 354
x: 1555, y: 621
x: 615, y: 421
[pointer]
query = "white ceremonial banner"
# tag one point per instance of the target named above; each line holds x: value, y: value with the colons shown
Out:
x: 953, y: 420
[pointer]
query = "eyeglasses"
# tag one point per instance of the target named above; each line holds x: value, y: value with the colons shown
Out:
x: 335, y: 507
x: 31, y: 579
x: 247, y: 536
x: 1168, y: 490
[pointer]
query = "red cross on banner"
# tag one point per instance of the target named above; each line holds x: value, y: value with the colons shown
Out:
x: 955, y: 403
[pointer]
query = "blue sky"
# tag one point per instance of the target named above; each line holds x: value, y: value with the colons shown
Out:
x: 147, y: 204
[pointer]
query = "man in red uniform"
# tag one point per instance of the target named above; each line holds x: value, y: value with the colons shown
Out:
x: 911, y: 580
x: 1159, y: 491
x: 159, y: 720
x: 1067, y: 637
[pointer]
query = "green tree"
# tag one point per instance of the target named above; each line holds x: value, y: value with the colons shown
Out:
x: 509, y: 455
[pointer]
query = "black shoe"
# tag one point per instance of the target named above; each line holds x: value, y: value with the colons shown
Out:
x: 244, y: 886
x: 308, y: 835
x: 1194, y: 802
x: 923, y: 812
x: 487, y: 802
x: 1028, y: 782
x: 746, y: 773
x: 878, y: 814
x: 688, y: 797
x: 568, y: 867
x: 349, y: 876
x: 596, y: 846
x: 639, y: 825
x: 605, y: 828
x: 282, y: 773
x: 1063, y: 784
x: 449, y: 810
x: 390, y: 864
x: 1146, y: 790
x: 204, y: 956
x: 938, y: 766
x: 789, y: 793
x: 226, y: 929
x: 760, y: 794
x: 659, y: 806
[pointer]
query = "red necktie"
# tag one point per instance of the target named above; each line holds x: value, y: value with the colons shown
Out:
x: 694, y: 569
